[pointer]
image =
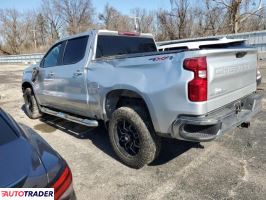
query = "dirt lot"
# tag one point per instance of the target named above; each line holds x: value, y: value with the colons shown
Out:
x: 232, y: 167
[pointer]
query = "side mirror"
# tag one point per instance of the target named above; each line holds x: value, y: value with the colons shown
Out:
x: 35, y: 72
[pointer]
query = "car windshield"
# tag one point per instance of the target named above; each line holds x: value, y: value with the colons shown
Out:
x: 7, y: 134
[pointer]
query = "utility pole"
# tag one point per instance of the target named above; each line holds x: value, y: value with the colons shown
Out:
x: 136, y: 23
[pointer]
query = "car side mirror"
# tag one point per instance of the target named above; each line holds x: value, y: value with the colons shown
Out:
x: 35, y: 72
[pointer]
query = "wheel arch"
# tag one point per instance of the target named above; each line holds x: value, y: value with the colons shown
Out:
x: 125, y: 97
x: 25, y: 85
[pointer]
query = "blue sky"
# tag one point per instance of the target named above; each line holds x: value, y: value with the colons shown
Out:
x: 122, y: 5
x: 126, y: 5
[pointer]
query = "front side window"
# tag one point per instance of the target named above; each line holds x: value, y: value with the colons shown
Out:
x: 52, y: 58
x: 75, y: 50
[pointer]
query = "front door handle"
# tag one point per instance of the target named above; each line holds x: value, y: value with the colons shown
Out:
x: 51, y: 74
x: 78, y: 73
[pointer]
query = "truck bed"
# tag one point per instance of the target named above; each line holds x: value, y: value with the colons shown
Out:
x: 159, y: 77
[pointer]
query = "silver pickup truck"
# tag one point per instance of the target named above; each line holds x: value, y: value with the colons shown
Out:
x: 141, y: 94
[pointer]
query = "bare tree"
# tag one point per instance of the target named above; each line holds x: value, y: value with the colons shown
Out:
x: 51, y: 12
x: 77, y: 14
x: 35, y: 30
x: 214, y: 18
x: 180, y: 11
x: 14, y: 30
x: 239, y: 11
x: 174, y: 24
x: 112, y: 19
x: 41, y: 29
x: 166, y: 26
x: 3, y: 51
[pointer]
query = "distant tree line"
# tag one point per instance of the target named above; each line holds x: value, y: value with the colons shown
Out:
x: 36, y: 30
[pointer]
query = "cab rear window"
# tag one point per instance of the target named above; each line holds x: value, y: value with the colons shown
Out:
x: 110, y: 45
x: 7, y: 134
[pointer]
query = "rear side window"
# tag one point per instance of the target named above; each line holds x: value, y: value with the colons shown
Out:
x: 109, y: 45
x: 75, y: 50
x: 7, y: 134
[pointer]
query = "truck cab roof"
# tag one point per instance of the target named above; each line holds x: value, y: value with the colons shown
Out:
x: 107, y: 32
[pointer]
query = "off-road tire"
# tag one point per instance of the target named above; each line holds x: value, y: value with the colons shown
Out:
x: 149, y: 142
x: 31, y: 106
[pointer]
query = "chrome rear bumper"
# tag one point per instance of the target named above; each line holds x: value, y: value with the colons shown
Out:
x: 210, y: 126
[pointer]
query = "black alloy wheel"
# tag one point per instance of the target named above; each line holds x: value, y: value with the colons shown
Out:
x: 127, y: 137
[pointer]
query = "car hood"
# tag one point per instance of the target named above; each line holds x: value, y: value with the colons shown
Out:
x: 20, y: 165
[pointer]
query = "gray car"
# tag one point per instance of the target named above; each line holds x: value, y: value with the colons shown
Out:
x: 26, y: 160
x: 142, y: 94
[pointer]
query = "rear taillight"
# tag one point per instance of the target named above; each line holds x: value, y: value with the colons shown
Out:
x: 63, y: 183
x: 198, y: 86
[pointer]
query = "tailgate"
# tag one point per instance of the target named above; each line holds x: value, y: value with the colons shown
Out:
x: 231, y: 74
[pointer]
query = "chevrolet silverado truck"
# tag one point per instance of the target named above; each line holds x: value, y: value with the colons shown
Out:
x: 194, y: 44
x: 141, y: 94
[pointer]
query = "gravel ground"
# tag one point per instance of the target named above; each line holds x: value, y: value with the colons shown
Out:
x: 231, y: 167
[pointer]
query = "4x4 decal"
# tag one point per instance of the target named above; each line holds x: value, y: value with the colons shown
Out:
x: 155, y: 59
